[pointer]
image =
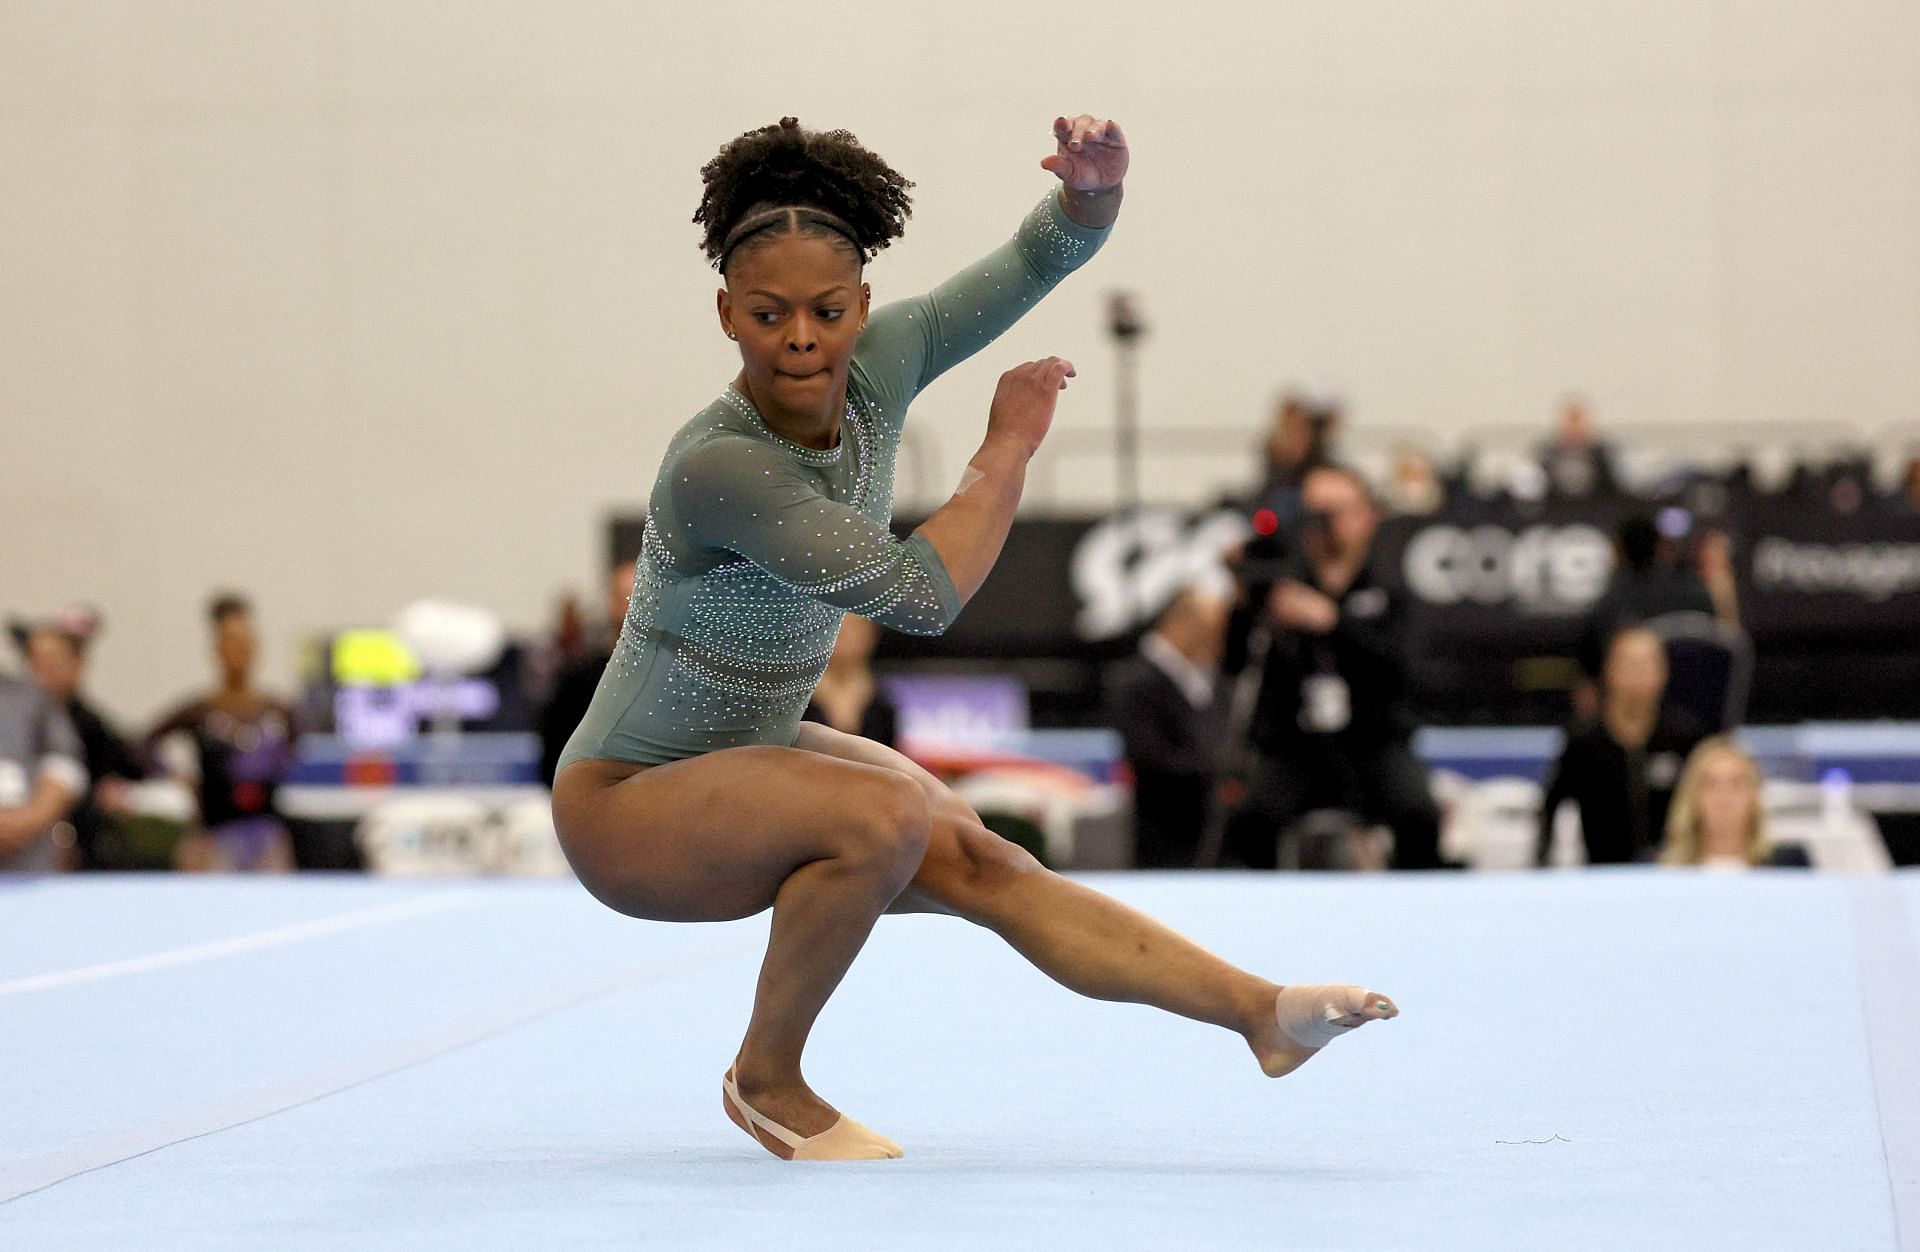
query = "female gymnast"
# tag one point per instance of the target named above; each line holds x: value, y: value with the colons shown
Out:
x: 692, y: 791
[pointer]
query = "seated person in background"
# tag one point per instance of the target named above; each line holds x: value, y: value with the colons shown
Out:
x: 244, y: 741
x: 1651, y: 580
x: 1414, y: 488
x: 1717, y: 820
x: 41, y: 777
x: 573, y: 689
x: 1621, y: 767
x: 848, y: 697
x: 56, y: 652
x: 1164, y: 705
x: 1300, y: 439
x: 1579, y: 464
x: 1648, y: 582
x: 1332, y: 728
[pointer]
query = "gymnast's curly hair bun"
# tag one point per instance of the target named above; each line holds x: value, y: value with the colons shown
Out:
x: 786, y: 164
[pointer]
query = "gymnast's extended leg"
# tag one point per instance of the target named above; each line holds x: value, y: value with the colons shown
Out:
x: 1093, y: 944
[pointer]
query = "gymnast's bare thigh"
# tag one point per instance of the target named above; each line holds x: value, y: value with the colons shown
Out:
x: 712, y: 837
x: 966, y: 865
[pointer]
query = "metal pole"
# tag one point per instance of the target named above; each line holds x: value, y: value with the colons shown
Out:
x: 1124, y: 324
x: 1126, y: 417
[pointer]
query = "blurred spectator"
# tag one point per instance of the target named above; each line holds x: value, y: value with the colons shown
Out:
x: 1717, y: 819
x: 570, y: 640
x: 1578, y: 463
x: 573, y: 689
x: 1414, y: 489
x: 41, y: 777
x: 848, y: 697
x: 1649, y: 582
x: 243, y: 740
x: 1713, y: 561
x: 56, y: 652
x: 1331, y: 726
x: 1166, y: 710
x: 1620, y: 767
x: 1300, y: 438
x: 1841, y: 484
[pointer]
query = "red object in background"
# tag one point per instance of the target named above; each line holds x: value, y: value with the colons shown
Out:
x: 249, y: 797
x: 958, y: 763
x: 371, y: 770
x: 1265, y: 521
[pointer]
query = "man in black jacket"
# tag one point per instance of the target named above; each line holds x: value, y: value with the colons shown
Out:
x: 1165, y: 709
x: 1331, y: 727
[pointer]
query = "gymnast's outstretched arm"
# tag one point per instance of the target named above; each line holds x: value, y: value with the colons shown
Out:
x: 909, y: 343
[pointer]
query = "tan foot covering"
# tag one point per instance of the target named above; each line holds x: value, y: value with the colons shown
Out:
x: 845, y: 1140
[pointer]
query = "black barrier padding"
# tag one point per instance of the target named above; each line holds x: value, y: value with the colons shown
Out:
x: 1498, y: 594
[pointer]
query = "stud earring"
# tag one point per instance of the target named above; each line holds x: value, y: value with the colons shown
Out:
x: 733, y: 336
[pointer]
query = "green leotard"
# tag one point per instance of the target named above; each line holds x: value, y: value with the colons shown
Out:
x: 755, y: 546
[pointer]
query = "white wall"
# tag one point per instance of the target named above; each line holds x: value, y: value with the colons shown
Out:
x: 345, y: 303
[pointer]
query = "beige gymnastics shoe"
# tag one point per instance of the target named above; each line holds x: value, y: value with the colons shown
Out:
x: 845, y: 1140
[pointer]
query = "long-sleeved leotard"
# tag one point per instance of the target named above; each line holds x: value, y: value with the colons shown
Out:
x: 755, y: 545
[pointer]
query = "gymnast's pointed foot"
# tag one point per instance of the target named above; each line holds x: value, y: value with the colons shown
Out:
x: 843, y: 1140
x: 1308, y: 1016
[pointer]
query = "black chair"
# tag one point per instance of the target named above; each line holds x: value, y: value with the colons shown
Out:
x: 1709, y: 667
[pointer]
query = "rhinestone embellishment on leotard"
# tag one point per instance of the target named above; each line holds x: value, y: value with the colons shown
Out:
x: 800, y: 451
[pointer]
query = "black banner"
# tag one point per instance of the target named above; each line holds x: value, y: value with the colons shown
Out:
x: 1489, y: 587
x: 1503, y: 580
x: 1809, y: 575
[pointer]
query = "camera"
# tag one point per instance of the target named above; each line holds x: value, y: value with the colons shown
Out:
x: 1275, y: 552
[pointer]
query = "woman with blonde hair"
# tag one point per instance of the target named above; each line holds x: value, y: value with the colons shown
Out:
x: 1717, y: 819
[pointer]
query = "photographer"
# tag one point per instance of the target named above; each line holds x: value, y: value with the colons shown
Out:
x: 1331, y: 727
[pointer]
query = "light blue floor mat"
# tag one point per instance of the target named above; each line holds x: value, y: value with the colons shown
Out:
x: 1619, y: 1060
